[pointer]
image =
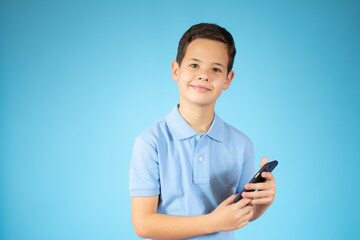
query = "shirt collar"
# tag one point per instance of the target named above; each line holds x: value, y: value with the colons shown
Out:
x: 182, y: 130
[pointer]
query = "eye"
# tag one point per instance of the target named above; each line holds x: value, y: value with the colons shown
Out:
x: 194, y: 65
x: 217, y: 70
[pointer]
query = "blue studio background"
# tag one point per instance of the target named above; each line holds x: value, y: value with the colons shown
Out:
x: 81, y: 79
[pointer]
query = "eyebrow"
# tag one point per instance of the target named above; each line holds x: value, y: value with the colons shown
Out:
x: 198, y: 60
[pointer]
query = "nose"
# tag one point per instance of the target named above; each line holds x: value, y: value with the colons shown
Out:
x: 203, y: 76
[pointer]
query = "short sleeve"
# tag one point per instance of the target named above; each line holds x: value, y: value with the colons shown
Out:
x: 144, y: 170
x: 248, y: 168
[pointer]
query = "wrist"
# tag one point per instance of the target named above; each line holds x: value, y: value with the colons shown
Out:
x: 210, y: 223
x: 259, y: 209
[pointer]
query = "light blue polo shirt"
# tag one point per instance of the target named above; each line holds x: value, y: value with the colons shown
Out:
x: 192, y: 172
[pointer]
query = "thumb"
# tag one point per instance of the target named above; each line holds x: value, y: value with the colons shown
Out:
x: 229, y: 200
x: 264, y: 161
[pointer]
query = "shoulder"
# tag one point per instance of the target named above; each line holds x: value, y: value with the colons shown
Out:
x: 237, y: 136
x: 239, y: 141
x: 154, y: 134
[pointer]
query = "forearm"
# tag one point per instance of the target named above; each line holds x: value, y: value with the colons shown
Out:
x: 161, y: 226
x: 259, y: 210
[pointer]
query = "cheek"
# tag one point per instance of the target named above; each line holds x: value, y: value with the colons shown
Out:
x: 220, y: 86
x: 187, y: 76
x: 182, y: 85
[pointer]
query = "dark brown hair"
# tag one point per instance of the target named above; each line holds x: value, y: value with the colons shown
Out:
x: 207, y: 31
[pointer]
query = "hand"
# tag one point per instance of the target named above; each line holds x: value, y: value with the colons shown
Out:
x: 230, y: 216
x: 266, y: 190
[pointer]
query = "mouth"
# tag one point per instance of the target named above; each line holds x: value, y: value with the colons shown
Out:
x: 200, y: 88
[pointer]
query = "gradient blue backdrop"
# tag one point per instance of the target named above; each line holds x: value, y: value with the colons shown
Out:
x: 81, y: 79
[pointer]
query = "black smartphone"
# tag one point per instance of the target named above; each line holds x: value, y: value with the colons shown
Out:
x: 258, y: 178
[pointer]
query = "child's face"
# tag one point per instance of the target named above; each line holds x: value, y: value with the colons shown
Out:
x: 203, y: 72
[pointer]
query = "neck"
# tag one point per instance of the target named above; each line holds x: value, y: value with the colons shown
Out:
x: 198, y: 117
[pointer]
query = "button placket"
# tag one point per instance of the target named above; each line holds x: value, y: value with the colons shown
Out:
x: 201, y: 162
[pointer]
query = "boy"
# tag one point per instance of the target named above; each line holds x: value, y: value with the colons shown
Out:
x: 187, y: 167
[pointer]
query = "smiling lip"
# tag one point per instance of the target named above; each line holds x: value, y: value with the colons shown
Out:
x: 200, y: 88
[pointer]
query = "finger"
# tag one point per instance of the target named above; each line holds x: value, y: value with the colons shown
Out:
x: 268, y: 176
x: 229, y: 200
x: 247, y: 209
x: 260, y: 186
x: 243, y: 202
x: 243, y: 224
x: 258, y: 194
x: 249, y: 214
x: 264, y: 161
x: 262, y: 201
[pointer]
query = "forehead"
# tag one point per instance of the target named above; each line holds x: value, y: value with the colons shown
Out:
x: 207, y: 50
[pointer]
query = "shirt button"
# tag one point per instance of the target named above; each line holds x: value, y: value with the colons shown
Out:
x: 198, y: 137
x: 201, y: 158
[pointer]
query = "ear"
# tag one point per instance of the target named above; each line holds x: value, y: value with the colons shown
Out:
x: 175, y: 70
x: 228, y: 80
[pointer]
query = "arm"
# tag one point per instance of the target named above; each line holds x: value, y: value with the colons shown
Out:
x: 150, y: 224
